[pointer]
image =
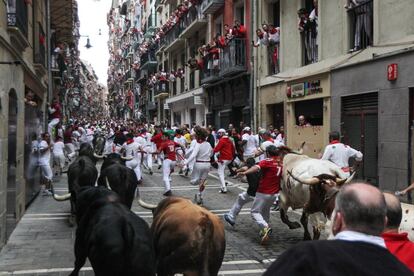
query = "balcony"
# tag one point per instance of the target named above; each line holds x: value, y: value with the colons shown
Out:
x: 172, y: 40
x: 193, y: 21
x: 210, y: 72
x: 148, y: 60
x: 161, y: 89
x: 233, y: 58
x: 151, y: 26
x: 211, y: 6
x: 17, y: 24
x: 361, y: 25
x: 309, y: 38
x: 273, y: 52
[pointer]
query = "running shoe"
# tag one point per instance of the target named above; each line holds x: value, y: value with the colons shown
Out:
x: 223, y: 190
x: 168, y: 193
x: 229, y: 220
x: 265, y: 234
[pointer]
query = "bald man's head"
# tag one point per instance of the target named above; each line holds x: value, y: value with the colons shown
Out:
x: 394, y: 211
x: 362, y: 207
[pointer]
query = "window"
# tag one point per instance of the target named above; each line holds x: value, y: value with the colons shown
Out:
x: 312, y: 110
x: 361, y: 25
x: 308, y: 26
x: 239, y: 12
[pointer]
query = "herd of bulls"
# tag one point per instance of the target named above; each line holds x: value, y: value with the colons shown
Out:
x: 183, y: 238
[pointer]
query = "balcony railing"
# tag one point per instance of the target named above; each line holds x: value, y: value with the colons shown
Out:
x: 310, y: 43
x: 192, y: 21
x: 172, y: 35
x: 361, y: 25
x: 148, y: 60
x: 211, y: 6
x: 273, y: 59
x: 40, y: 54
x: 17, y: 15
x: 161, y: 88
x: 233, y: 57
x: 211, y: 70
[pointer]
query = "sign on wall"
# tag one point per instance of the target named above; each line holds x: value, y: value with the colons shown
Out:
x: 392, y: 72
x: 303, y: 89
x: 198, y: 100
x: 166, y: 106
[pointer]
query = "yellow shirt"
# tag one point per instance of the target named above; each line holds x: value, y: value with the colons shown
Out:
x: 187, y: 137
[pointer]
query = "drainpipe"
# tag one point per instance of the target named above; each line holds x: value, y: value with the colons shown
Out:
x: 252, y: 96
x: 48, y: 56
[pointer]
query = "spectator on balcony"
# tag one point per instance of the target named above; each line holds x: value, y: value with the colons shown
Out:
x: 262, y: 39
x: 363, y: 23
x: 350, y: 4
x: 55, y: 113
x: 239, y: 30
x: 228, y: 33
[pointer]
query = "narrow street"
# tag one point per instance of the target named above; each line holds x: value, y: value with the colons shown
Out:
x: 42, y: 243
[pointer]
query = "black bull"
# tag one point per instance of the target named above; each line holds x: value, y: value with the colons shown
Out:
x: 116, y: 241
x: 119, y: 178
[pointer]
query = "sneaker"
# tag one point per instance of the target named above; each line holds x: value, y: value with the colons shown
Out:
x: 229, y: 220
x: 46, y: 193
x: 168, y: 193
x: 180, y: 172
x: 265, y: 234
x: 198, y: 199
x: 159, y: 167
x: 186, y: 172
x: 223, y: 191
x: 150, y: 172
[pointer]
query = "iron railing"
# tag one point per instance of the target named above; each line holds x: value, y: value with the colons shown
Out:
x: 273, y: 58
x: 17, y: 15
x: 148, y: 57
x: 310, y: 43
x: 40, y: 54
x: 161, y: 87
x: 361, y: 25
x: 233, y: 57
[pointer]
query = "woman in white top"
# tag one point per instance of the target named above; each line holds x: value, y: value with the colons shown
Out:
x: 201, y: 154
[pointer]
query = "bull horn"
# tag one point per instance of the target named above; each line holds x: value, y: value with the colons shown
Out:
x: 107, y: 183
x: 127, y: 158
x: 145, y: 205
x: 341, y: 181
x: 98, y: 156
x: 61, y: 197
x: 307, y: 181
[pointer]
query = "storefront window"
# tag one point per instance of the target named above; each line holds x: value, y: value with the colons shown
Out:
x: 309, y: 113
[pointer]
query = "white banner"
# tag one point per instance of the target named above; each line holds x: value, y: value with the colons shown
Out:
x: 198, y: 100
x: 166, y: 106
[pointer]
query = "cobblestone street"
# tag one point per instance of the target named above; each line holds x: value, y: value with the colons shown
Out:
x: 42, y: 243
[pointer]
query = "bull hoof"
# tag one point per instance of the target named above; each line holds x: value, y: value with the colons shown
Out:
x: 71, y: 221
x: 307, y: 237
x: 294, y: 225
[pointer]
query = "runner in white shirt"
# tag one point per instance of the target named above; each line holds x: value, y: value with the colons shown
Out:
x: 339, y: 153
x: 201, y: 154
x: 147, y: 147
x: 44, y: 163
x: 180, y: 139
x: 250, y: 143
x: 280, y: 138
x: 58, y: 154
x: 132, y: 152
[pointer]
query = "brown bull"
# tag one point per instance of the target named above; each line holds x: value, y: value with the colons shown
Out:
x: 188, y: 239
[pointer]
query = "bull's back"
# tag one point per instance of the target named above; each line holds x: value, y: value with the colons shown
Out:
x: 120, y: 242
x: 189, y: 230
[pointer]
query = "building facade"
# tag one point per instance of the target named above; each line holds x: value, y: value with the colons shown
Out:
x: 333, y: 69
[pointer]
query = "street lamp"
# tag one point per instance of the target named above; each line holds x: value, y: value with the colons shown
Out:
x: 88, y: 44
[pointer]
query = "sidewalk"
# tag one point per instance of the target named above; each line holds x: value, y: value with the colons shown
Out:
x: 42, y: 240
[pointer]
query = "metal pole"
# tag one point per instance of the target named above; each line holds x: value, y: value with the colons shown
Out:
x: 252, y: 96
x: 48, y: 55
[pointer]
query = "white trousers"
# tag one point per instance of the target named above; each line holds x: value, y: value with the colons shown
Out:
x: 47, y: 171
x: 221, y: 167
x: 148, y: 157
x: 70, y: 150
x: 261, y: 209
x: 59, y: 159
x: 51, y: 125
x: 200, y: 172
x: 242, y: 199
x: 135, y: 164
x: 167, y: 167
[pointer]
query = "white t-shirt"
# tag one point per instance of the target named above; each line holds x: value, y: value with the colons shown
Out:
x: 201, y: 152
x: 180, y: 140
x: 279, y: 141
x: 339, y: 154
x: 45, y: 156
x: 58, y: 148
x: 252, y: 144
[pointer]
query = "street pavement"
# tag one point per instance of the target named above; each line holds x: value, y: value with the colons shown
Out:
x: 42, y: 243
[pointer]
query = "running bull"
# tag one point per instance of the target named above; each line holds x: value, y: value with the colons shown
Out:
x: 116, y: 240
x: 119, y: 178
x: 82, y: 172
x: 311, y: 184
x: 188, y: 239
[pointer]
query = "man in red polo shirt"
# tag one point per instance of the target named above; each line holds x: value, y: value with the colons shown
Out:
x: 397, y: 243
x: 225, y: 149
x: 168, y: 148
x: 269, y: 186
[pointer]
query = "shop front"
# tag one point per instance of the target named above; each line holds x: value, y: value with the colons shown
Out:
x: 272, y: 105
x: 308, y: 114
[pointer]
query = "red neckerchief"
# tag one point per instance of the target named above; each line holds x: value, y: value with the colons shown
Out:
x: 178, y: 135
x: 200, y: 141
x: 260, y: 36
x: 130, y: 141
x: 270, y: 140
x: 334, y: 142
